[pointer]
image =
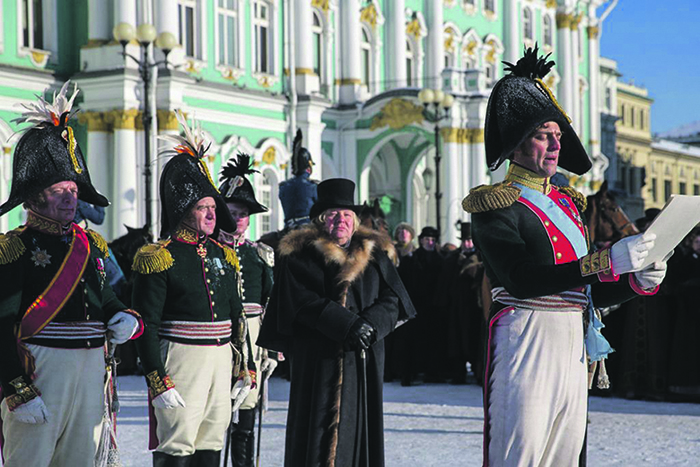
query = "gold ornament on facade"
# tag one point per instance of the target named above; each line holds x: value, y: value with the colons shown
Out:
x: 593, y: 32
x: 7, y: 150
x: 39, y: 58
x: 564, y: 20
x: 269, y: 156
x: 122, y: 119
x: 322, y: 4
x: 369, y: 15
x: 470, y: 48
x: 551, y: 3
x: 95, y: 121
x: 575, y: 21
x: 397, y: 114
x: 449, y: 41
x: 462, y: 135
x: 167, y: 120
x: 413, y: 28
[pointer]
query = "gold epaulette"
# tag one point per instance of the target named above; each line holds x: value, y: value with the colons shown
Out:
x: 490, y: 197
x: 153, y: 258
x: 11, y: 246
x: 229, y: 254
x: 266, y: 253
x: 577, y: 197
x: 99, y: 241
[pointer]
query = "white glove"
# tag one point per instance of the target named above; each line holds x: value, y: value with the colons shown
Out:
x: 33, y: 412
x: 240, y: 391
x: 121, y: 327
x: 651, y: 276
x: 268, y: 367
x: 170, y: 399
x: 628, y: 254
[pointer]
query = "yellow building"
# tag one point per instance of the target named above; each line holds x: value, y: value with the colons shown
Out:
x: 673, y: 168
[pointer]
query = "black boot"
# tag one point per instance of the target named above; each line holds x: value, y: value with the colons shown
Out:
x: 206, y: 459
x: 243, y: 439
x: 161, y: 459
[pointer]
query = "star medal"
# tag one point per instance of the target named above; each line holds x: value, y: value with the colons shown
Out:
x: 41, y: 258
x: 101, y: 271
x: 574, y: 213
x: 201, y: 251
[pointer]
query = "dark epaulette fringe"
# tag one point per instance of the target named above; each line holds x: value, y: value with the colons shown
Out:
x: 153, y: 258
x: 99, y: 242
x: 490, y: 197
x: 229, y: 255
x: 11, y: 247
x: 577, y: 197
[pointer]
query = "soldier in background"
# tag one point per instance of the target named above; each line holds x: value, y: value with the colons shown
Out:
x: 256, y: 261
x: 186, y: 287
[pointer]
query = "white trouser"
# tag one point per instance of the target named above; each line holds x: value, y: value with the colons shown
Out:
x: 251, y: 400
x: 538, y: 398
x: 202, y: 376
x: 71, y: 382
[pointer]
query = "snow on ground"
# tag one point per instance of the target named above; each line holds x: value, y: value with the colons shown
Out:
x: 440, y: 425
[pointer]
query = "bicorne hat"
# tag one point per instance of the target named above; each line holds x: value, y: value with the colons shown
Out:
x: 48, y: 153
x: 521, y: 102
x: 301, y: 157
x: 236, y: 187
x: 334, y: 193
x: 186, y: 180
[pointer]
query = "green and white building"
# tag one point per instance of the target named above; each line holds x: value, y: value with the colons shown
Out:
x: 347, y: 72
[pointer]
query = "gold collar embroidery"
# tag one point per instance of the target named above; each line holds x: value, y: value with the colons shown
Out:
x: 528, y: 178
x: 44, y: 224
x: 186, y: 234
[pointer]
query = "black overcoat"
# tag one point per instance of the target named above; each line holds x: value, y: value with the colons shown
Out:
x: 306, y: 319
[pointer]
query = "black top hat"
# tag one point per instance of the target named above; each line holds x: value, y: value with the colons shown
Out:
x: 48, y: 153
x: 465, y: 230
x: 334, y: 193
x: 301, y: 157
x: 186, y: 180
x: 429, y: 232
x: 236, y: 187
x: 521, y: 102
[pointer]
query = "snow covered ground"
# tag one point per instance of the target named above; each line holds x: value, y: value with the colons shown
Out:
x: 440, y: 425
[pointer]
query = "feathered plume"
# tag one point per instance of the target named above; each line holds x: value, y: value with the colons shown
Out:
x: 530, y: 66
x: 191, y: 143
x: 296, y: 149
x: 235, y: 172
x: 42, y: 113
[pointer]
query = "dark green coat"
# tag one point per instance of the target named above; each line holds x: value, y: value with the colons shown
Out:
x: 173, y: 283
x: 24, y: 278
x: 255, y: 272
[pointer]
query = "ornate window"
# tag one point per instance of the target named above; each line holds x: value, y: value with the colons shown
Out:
x: 490, y: 7
x: 190, y: 23
x: 492, y: 50
x: 317, y: 34
x: 452, y: 40
x: 366, y: 57
x: 547, y: 31
x: 263, y: 37
x: 228, y: 21
x: 471, y: 50
x: 266, y: 189
x: 528, y: 28
x: 32, y: 24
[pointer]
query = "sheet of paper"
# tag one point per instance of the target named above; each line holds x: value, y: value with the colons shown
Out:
x: 678, y: 217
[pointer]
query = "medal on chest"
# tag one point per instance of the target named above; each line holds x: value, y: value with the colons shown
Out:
x: 201, y: 251
x: 574, y: 213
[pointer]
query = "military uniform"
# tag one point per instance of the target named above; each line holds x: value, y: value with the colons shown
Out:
x: 56, y: 304
x: 544, y: 277
x: 187, y: 289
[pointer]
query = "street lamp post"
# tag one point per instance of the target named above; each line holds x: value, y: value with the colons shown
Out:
x: 436, y: 107
x: 145, y: 34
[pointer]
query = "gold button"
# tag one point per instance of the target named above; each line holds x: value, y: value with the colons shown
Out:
x: 213, y: 303
x: 206, y: 269
x: 554, y: 239
x: 208, y: 281
x: 87, y: 317
x: 82, y: 279
x: 546, y: 223
x: 87, y: 304
x: 88, y: 343
x: 211, y: 292
x: 215, y: 315
x: 558, y: 255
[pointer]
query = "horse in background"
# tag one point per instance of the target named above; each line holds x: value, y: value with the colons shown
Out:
x: 372, y: 216
x: 605, y: 219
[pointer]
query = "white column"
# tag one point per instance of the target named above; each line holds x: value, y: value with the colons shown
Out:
x: 436, y: 45
x: 124, y: 12
x: 125, y: 182
x: 396, y: 42
x: 477, y: 157
x: 165, y: 17
x: 565, y: 62
x: 452, y: 192
x: 594, y: 87
x: 512, y: 31
x: 350, y: 51
x: 575, y: 110
x: 98, y: 22
x: 307, y: 81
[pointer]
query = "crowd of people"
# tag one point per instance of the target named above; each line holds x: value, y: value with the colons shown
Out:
x: 346, y: 307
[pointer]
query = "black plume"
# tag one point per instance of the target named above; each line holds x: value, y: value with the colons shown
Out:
x: 240, y: 167
x: 296, y: 146
x: 530, y: 66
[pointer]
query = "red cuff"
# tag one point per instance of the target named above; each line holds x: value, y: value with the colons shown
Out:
x: 136, y: 315
x: 608, y: 276
x: 638, y: 288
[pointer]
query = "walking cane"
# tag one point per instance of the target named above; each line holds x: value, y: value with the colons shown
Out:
x: 363, y: 397
x: 228, y: 444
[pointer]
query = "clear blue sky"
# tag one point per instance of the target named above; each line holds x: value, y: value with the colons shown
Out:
x: 656, y: 43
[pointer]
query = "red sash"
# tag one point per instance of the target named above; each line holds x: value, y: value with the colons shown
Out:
x: 51, y: 301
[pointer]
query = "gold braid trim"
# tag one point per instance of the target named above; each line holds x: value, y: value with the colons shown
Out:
x: 11, y: 246
x: 71, y: 151
x: 23, y: 393
x: 490, y: 197
x: 99, y: 242
x: 229, y: 254
x: 205, y: 170
x: 153, y: 258
x: 577, y: 197
x: 158, y: 385
x: 554, y: 99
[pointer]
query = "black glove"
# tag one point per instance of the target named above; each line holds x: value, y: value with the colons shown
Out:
x: 360, y: 336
